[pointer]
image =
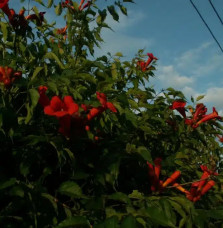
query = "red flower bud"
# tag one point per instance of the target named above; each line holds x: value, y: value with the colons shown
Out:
x: 209, y: 185
x: 180, y: 188
x: 172, y: 178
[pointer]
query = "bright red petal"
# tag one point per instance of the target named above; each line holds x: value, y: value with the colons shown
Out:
x: 3, y: 3
x: 71, y: 106
x: 56, y: 104
x: 178, y: 104
x: 111, y: 107
x: 60, y: 113
x: 49, y: 111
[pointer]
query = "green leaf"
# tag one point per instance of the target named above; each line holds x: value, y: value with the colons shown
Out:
x: 4, y: 29
x: 145, y: 153
x: 70, y: 154
x: 36, y: 72
x: 50, y: 3
x: 40, y: 2
x: 52, y: 201
x: 136, y: 195
x: 101, y: 17
x: 124, y: 10
x: 119, y: 196
x: 35, y: 9
x: 119, y: 54
x: 111, y: 222
x: 113, y: 13
x: 70, y: 188
x: 33, y: 101
x: 200, y: 97
x: 129, y: 222
x: 78, y: 222
x: 158, y: 217
x: 34, y: 97
x: 34, y: 139
x: 17, y: 191
x: 216, y: 214
x: 58, y: 9
x: 51, y: 55
x: 6, y: 184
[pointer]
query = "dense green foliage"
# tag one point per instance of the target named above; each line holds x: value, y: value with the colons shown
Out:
x: 97, y: 174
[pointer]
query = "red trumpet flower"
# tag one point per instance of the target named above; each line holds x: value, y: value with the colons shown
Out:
x: 62, y: 31
x: 179, y: 106
x: 152, y: 177
x: 3, y: 3
x: 213, y: 115
x: 180, y: 188
x: 154, y: 172
x: 207, y: 186
x: 60, y: 108
x: 43, y: 99
x: 200, y: 187
x: 103, y: 100
x: 8, y: 76
x: 95, y: 112
x: 144, y: 65
x: 86, y: 5
x: 172, y: 178
x: 39, y: 19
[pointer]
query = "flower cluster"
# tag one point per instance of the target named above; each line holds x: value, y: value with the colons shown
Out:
x: 8, y: 75
x: 62, y: 31
x: 66, y: 110
x: 154, y: 172
x: 198, y: 116
x: 69, y: 4
x: 199, y: 188
x: 144, y: 65
x: 19, y: 21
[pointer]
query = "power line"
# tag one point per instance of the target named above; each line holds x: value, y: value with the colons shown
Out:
x: 216, y: 11
x: 206, y: 25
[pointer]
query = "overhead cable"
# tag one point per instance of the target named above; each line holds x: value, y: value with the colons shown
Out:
x: 216, y: 11
x: 206, y: 25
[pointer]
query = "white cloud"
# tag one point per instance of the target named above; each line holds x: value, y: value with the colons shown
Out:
x: 125, y: 22
x: 119, y: 40
x: 123, y: 43
x: 169, y: 77
x: 200, y: 61
x: 214, y: 97
x: 189, y: 91
x: 190, y: 57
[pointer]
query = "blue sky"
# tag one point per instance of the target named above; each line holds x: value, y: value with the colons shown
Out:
x: 189, y: 58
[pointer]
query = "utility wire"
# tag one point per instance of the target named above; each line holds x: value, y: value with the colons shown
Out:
x: 206, y: 25
x: 216, y: 11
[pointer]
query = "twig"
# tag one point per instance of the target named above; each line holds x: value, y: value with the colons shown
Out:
x: 187, y: 183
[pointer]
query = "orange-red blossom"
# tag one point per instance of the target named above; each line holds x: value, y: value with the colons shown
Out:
x: 19, y: 21
x: 66, y: 110
x: 199, y: 188
x: 8, y: 75
x: 144, y: 65
x: 198, y: 117
x: 154, y: 172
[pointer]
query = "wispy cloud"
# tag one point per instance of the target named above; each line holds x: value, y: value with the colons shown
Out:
x: 214, y: 96
x: 167, y: 76
x: 201, y: 61
x: 120, y: 40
